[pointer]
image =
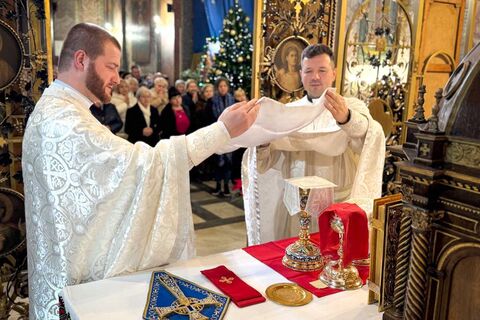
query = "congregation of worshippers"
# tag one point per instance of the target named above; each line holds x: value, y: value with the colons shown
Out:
x: 169, y: 108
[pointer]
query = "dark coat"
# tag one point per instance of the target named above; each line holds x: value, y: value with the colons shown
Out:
x: 188, y: 104
x: 220, y: 103
x: 135, y: 123
x: 168, y: 124
x: 202, y: 116
x: 216, y: 105
x: 108, y: 116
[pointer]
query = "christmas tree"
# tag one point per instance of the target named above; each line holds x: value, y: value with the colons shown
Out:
x: 234, y: 60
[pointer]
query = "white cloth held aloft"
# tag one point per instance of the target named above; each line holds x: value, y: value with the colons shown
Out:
x: 276, y: 120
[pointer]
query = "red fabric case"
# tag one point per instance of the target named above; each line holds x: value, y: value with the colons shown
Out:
x: 230, y: 284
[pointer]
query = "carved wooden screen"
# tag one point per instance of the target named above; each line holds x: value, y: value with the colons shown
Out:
x: 282, y: 30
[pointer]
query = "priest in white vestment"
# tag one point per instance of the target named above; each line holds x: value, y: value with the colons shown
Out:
x: 96, y: 205
x: 343, y: 145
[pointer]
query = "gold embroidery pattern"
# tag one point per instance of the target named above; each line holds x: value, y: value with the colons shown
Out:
x: 226, y: 280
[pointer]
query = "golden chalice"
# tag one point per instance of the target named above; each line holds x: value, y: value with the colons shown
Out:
x: 303, y: 255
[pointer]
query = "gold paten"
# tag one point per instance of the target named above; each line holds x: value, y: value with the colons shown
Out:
x: 288, y: 294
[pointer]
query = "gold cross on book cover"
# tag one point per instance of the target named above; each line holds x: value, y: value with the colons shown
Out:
x: 171, y: 297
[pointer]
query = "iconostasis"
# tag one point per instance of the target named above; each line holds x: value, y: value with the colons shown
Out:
x: 26, y: 69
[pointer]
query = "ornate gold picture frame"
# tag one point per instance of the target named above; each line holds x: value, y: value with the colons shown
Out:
x: 12, y: 55
x: 379, y: 227
x: 282, y: 26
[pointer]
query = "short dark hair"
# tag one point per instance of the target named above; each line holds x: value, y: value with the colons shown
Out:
x: 173, y: 92
x: 84, y: 36
x: 314, y: 50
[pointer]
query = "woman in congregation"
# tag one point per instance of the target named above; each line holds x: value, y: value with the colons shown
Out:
x: 223, y: 163
x: 142, y: 122
x: 239, y: 95
x: 123, y: 99
x: 202, y: 119
x: 203, y: 171
x: 159, y: 93
x: 174, y: 119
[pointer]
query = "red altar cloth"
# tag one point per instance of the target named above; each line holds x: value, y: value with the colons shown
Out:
x: 271, y: 254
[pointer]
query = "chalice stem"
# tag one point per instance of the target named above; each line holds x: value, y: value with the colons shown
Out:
x: 340, y: 251
x: 304, y: 234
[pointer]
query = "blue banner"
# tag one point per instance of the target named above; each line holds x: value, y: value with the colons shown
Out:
x: 208, y: 18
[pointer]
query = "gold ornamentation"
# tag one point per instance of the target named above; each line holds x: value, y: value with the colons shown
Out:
x: 418, y: 180
x: 407, y: 192
x: 278, y: 21
x: 403, y: 257
x: 463, y: 154
x: 421, y: 220
x: 226, y: 280
x: 298, y: 6
x: 183, y: 305
x: 303, y: 255
x: 417, y: 280
x: 378, y: 246
x: 335, y: 275
x: 370, y: 43
x: 459, y: 206
x: 424, y: 149
x: 288, y: 294
x: 421, y: 223
x: 460, y: 185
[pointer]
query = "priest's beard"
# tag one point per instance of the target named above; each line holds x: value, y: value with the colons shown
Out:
x: 95, y: 84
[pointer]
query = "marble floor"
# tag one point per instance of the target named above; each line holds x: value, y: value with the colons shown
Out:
x: 219, y: 222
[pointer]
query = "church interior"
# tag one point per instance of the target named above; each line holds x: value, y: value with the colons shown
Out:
x: 409, y: 251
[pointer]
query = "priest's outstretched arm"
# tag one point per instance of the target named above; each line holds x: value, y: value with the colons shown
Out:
x: 231, y: 123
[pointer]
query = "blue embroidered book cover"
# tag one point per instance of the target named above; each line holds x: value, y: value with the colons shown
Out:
x: 171, y: 297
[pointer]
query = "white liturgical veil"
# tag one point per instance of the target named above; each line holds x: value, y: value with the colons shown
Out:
x: 319, y: 197
x: 276, y: 120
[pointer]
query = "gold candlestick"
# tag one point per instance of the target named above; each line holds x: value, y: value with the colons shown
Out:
x: 303, y: 255
x: 335, y: 275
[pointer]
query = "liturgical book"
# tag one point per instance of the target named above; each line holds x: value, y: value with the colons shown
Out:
x: 171, y: 297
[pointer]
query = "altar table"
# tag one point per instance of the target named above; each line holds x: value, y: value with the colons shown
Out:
x: 124, y: 297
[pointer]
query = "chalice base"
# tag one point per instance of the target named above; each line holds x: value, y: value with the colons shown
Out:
x: 343, y: 279
x: 303, y: 256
